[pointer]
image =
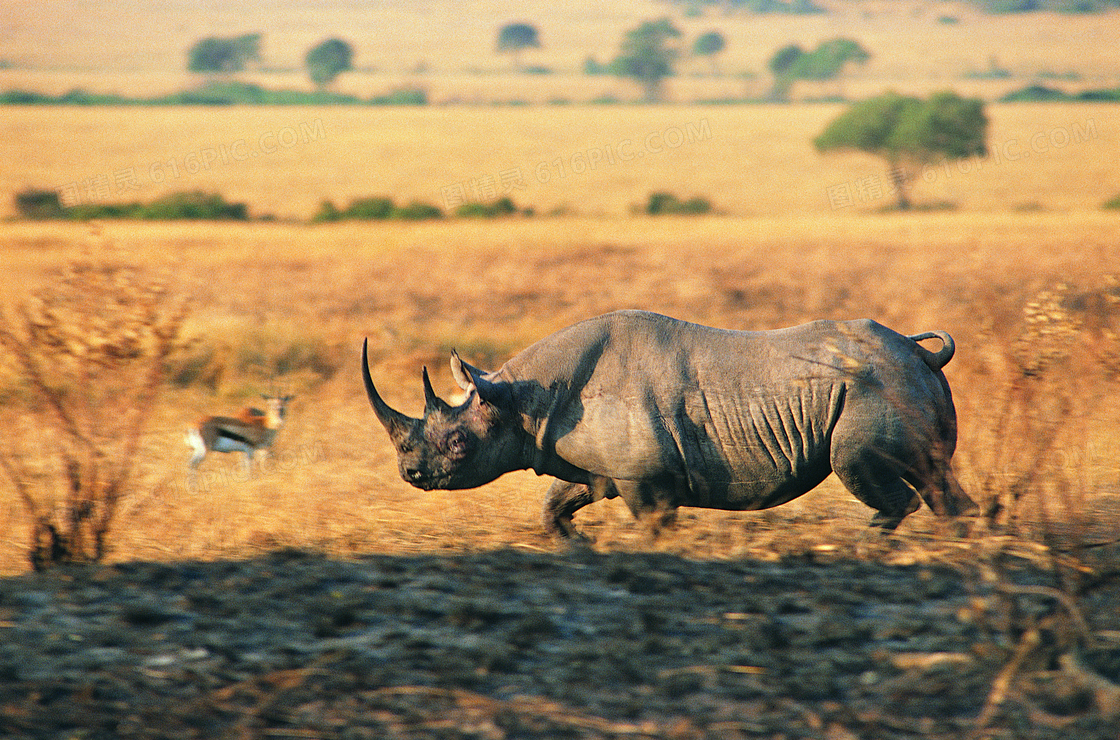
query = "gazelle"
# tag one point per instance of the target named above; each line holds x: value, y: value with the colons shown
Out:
x: 249, y: 431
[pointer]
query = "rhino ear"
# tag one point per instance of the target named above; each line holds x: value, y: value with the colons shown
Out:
x: 463, y: 373
x: 472, y: 379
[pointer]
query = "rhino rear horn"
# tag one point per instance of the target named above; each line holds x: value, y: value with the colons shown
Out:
x: 393, y: 420
x: 432, y: 402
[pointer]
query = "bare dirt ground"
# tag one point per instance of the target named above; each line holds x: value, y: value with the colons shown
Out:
x: 580, y: 644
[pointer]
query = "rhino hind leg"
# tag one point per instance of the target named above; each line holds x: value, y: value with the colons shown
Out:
x: 651, y: 502
x: 889, y: 521
x: 944, y: 495
x: 877, y: 482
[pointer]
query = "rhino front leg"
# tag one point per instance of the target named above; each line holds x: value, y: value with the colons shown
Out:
x: 563, y: 500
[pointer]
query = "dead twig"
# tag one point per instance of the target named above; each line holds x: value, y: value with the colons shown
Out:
x: 1062, y: 598
x: 1002, y: 684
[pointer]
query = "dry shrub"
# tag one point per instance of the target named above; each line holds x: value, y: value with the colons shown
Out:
x: 87, y: 354
x: 1046, y: 367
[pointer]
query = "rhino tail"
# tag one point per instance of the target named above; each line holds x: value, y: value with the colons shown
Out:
x: 940, y: 358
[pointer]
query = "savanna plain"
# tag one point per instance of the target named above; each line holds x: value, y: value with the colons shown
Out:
x: 323, y: 597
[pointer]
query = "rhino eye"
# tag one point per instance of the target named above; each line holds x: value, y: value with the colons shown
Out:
x: 455, y: 444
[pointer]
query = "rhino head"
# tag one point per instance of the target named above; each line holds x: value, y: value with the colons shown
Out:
x: 453, y: 447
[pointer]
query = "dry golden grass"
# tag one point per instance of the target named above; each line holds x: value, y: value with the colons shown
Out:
x: 785, y: 250
x: 602, y: 160
x: 490, y: 288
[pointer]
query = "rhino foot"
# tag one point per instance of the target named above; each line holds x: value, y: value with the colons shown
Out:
x: 563, y: 500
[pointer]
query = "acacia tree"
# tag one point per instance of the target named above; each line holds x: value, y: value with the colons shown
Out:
x: 648, y: 54
x: 781, y: 66
x: 513, y: 38
x: 222, y: 55
x: 826, y: 62
x: 910, y: 133
x: 711, y: 45
x: 327, y: 60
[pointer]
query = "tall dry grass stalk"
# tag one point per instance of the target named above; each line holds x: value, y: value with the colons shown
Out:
x: 1037, y: 428
x: 88, y: 355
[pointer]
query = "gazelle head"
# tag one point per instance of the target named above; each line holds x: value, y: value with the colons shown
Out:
x: 275, y: 406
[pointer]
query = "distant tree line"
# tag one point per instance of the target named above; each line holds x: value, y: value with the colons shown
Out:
x: 45, y: 205
x: 999, y: 7
x: 218, y: 92
x: 647, y: 54
x: 759, y: 7
x: 42, y: 205
x: 799, y: 7
x: 214, y: 55
x: 233, y: 92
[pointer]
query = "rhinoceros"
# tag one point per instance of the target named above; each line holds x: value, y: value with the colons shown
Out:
x: 665, y: 413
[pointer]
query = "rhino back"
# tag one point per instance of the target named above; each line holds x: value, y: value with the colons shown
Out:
x: 742, y: 419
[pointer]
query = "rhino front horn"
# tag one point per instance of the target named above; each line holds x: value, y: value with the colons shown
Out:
x: 393, y: 420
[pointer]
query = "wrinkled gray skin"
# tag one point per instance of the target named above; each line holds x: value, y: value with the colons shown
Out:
x: 664, y: 413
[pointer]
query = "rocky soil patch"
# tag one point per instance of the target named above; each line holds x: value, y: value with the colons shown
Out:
x: 511, y: 644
